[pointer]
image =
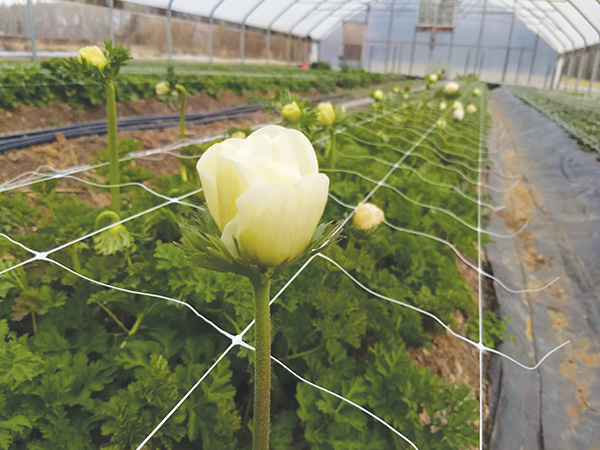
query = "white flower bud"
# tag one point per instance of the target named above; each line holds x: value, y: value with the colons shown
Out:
x: 367, y: 216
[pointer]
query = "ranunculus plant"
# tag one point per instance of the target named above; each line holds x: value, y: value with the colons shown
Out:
x: 329, y: 118
x: 266, y: 197
x: 104, y: 67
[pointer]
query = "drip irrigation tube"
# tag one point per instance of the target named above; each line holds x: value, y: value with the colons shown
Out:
x: 24, y: 139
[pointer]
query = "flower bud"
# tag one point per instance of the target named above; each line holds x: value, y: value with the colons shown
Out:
x: 443, y: 106
x: 471, y: 109
x: 404, y: 96
x: 476, y: 92
x: 395, y: 89
x: 441, y: 123
x: 325, y: 114
x: 93, y: 56
x: 367, y: 216
x: 458, y: 114
x: 291, y: 112
x: 457, y: 105
x: 377, y: 95
x: 433, y: 78
x: 239, y: 134
x: 451, y: 88
x: 162, y: 88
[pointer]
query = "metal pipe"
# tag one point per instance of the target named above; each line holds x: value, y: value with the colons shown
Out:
x: 533, y: 56
x: 412, y: 52
x: 580, y: 71
x: 270, y: 28
x: 597, y: 30
x: 211, y: 35
x: 478, y: 51
x: 548, y: 71
x: 389, y: 37
x: 585, y: 43
x: 510, y: 34
x: 519, y: 66
x: 31, y: 30
x: 169, y: 43
x: 467, y: 62
x: 594, y: 69
x: 111, y: 29
x: 363, y: 50
x: 243, y: 29
x: 399, y: 61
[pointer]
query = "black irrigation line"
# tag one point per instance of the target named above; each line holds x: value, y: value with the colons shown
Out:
x: 24, y: 139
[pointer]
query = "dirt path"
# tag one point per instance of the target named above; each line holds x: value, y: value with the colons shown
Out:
x: 556, y: 407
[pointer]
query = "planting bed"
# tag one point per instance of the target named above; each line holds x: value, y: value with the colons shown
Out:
x: 579, y: 116
x: 110, y: 327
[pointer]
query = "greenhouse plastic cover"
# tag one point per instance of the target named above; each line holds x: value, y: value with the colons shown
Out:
x: 564, y: 24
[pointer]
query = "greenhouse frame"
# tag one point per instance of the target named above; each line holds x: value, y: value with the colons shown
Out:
x: 299, y: 224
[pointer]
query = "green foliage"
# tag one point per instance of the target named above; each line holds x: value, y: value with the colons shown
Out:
x: 66, y: 80
x: 86, y: 367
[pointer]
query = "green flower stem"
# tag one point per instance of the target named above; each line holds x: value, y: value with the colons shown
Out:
x: 113, y: 152
x: 332, y: 154
x: 262, y: 366
x: 182, y: 99
x: 113, y: 317
x: 75, y: 258
x: 136, y: 325
x: 34, y: 322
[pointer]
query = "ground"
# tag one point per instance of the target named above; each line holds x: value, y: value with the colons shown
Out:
x: 557, y: 406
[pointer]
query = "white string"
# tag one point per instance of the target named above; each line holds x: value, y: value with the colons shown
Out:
x: 454, y: 249
x: 132, y: 183
x: 430, y: 315
x: 426, y: 180
x: 479, y: 285
x: 43, y: 255
x: 435, y: 164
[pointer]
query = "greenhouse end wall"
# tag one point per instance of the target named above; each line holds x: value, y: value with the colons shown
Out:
x: 522, y: 58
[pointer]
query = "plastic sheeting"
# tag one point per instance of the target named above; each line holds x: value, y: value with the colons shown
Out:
x: 555, y: 407
x: 565, y: 24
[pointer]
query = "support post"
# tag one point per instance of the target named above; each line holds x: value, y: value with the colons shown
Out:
x: 289, y: 48
x: 450, y: 48
x: 467, y: 62
x: 399, y: 61
x: 412, y: 52
x: 393, y: 63
x: 581, y: 65
x: 211, y: 35
x: 480, y: 69
x: 169, y: 37
x: 389, y: 38
x: 519, y: 66
x: 548, y: 71
x: 111, y: 27
x: 242, y: 42
x: 533, y: 56
x: 478, y: 51
x: 594, y: 69
x: 31, y: 30
x: 211, y: 39
x: 268, y: 46
x: 363, y: 56
x: 569, y: 69
x: 508, y: 45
